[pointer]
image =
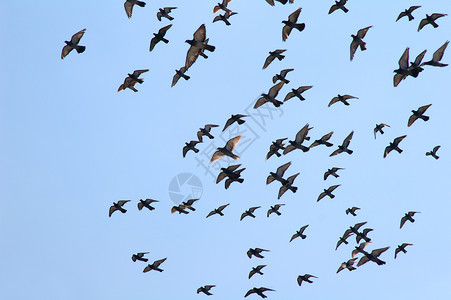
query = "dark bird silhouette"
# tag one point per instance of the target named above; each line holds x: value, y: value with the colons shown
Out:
x: 180, y: 209
x: 190, y: 146
x: 131, y: 80
x: 234, y: 177
x: 363, y: 235
x: 154, y: 266
x: 140, y: 256
x: 271, y: 96
x: 299, y: 233
x: 218, y: 211
x: 273, y: 55
x: 146, y: 203
x: 225, y: 17
x: 408, y: 13
x: 275, y: 147
x: 189, y: 204
x: 306, y: 278
x: 357, y: 40
x: 291, y: 23
x: 206, y: 131
x: 271, y: 2
x: 128, y: 5
x: 235, y: 118
x: 282, y: 76
x: 226, y: 150
x: 279, y: 174
x: 222, y: 5
x: 373, y: 256
x: 297, y: 93
x: 259, y: 291
x: 231, y: 173
x: 288, y: 185
x: 274, y: 209
x: 332, y: 172
x: 433, y: 153
x: 347, y: 265
x: 198, y: 44
x: 355, y: 229
x: 403, y: 71
x: 328, y: 192
x: 299, y: 139
x: 415, y: 67
x: 378, y: 128
x: 341, y: 99
x: 256, y: 252
x: 205, y: 289
x: 159, y: 37
x: 164, y: 13
x: 73, y: 44
x: 343, y: 239
x: 179, y: 73
x: 418, y: 114
x: 359, y: 249
x: 323, y: 141
x: 118, y: 206
x: 402, y: 248
x: 408, y: 217
x: 352, y: 210
x: 256, y: 270
x: 344, y: 147
x: 338, y: 5
x: 250, y: 213
x: 430, y: 19
x: 437, y: 57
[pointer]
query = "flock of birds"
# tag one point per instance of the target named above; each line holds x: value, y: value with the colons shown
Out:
x: 198, y: 45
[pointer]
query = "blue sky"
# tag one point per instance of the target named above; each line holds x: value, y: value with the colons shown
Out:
x: 71, y: 145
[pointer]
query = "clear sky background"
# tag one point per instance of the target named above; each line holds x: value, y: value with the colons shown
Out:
x: 71, y: 145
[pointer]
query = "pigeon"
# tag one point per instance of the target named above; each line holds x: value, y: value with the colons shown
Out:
x: 332, y: 172
x: 282, y: 76
x: 234, y: 177
x: 256, y: 270
x: 206, y: 289
x: 131, y: 80
x: 344, y: 147
x: 189, y: 204
x: 273, y: 55
x: 323, y: 141
x: 373, y: 256
x: 128, y: 5
x: 218, y: 211
x: 222, y: 6
x: 233, y: 119
x: 190, y: 146
x: 359, y: 249
x: 437, y: 57
x: 402, y: 248
x: 180, y: 209
x: 271, y: 96
x: 279, y: 174
x: 299, y: 233
x: 357, y: 40
x: 256, y: 252
x: 118, y: 206
x: 306, y: 278
x: 140, y: 256
x: 355, y: 229
x: 274, y: 209
x: 418, y: 114
x: 225, y: 17
x: 154, y: 266
x: 297, y: 93
x: 73, y: 44
x: 403, y: 71
x: 288, y: 185
x: 342, y: 239
x: 363, y: 235
x: 430, y: 19
x: 352, y: 210
x: 226, y: 150
x: 328, y: 192
x: 347, y: 265
x: 341, y: 99
x: 206, y: 131
x: 291, y: 23
x: 433, y: 153
x: 394, y: 146
x: 338, y: 5
x: 179, y: 73
x: 378, y: 128
x: 415, y: 67
x: 198, y: 43
x: 146, y: 203
x: 231, y: 173
x: 259, y: 291
x: 408, y: 13
x: 164, y: 12
x: 299, y: 139
x: 408, y: 216
x: 159, y: 37
x: 249, y: 212
x: 275, y: 147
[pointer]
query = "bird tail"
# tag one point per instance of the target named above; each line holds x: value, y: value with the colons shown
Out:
x: 240, y: 121
x: 235, y: 157
x: 140, y: 3
x: 80, y: 49
x: 220, y: 213
x: 435, y: 156
x: 381, y: 131
x: 304, y: 148
x: 240, y: 180
x: 345, y: 9
x: 170, y: 18
x: 123, y: 210
x: 145, y: 259
x: 165, y: 40
x: 424, y: 118
x: 410, y: 17
x: 332, y: 196
x: 434, y: 24
x: 349, y: 151
x: 227, y: 22
x: 399, y: 150
x: 203, y: 55
x: 299, y: 27
x: 293, y: 189
x: 196, y: 150
x: 363, y: 46
x: 210, y: 48
x: 186, y: 77
x: 278, y: 154
x: 280, y: 56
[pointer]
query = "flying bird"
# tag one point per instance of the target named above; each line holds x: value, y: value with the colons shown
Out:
x: 373, y: 256
x: 275, y: 147
x: 355, y: 229
x: 198, y: 44
x: 206, y: 131
x: 235, y: 118
x: 402, y: 248
x: 225, y: 17
x: 73, y: 44
x: 232, y: 173
x: 218, y: 211
x: 352, y: 211
x: 205, y: 289
x: 154, y: 266
x: 128, y: 5
x: 341, y: 99
x: 131, y: 80
x: 159, y: 37
x: 328, y: 192
x: 394, y: 146
x: 273, y: 55
x: 274, y: 209
x: 259, y: 291
x: 332, y: 172
x: 363, y: 235
x: 437, y: 57
x: 164, y: 13
x: 408, y: 13
x: 378, y: 128
x: 338, y: 5
x: 323, y: 141
x: 297, y: 93
x: 282, y: 76
x: 343, y: 239
x: 256, y: 252
x: 430, y: 19
x: 256, y: 270
x: 118, y: 206
x: 359, y: 249
x: 408, y: 217
x: 418, y: 114
x: 180, y: 209
x: 357, y: 41
x: 433, y: 153
x: 403, y: 71
x: 249, y: 212
x: 288, y: 185
x: 190, y: 146
x: 271, y: 96
x: 222, y: 6
x: 347, y: 265
x: 189, y: 204
x: 226, y: 150
x: 291, y: 23
x: 415, y: 67
x: 299, y: 233
x: 146, y: 203
x: 279, y: 174
x: 344, y: 147
x: 299, y: 139
x: 140, y: 256
x: 306, y: 278
x: 179, y: 73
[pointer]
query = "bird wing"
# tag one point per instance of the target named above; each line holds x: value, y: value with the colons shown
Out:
x: 291, y: 179
x: 435, y: 149
x: 223, y: 206
x: 273, y: 91
x: 260, y: 102
x: 286, y: 30
x: 159, y: 15
x: 437, y: 56
x: 122, y: 202
x: 169, y: 9
x: 362, y: 261
x: 353, y: 48
x: 436, y: 16
x: 403, y: 14
x: 423, y: 23
x: 139, y: 72
x: 338, y: 151
x: 279, y: 141
x: 65, y: 51
x: 281, y: 170
x: 342, y: 267
x: 303, y: 228
x: 251, y: 291
x: 300, y: 136
x: 153, y: 42
x: 140, y: 206
x: 326, y: 137
x: 412, y: 8
x: 403, y: 220
x: 158, y: 262
x: 112, y: 210
x: 163, y: 30
x: 399, y: 139
x: 288, y: 149
x: 362, y: 32
x: 128, y: 8
x: 284, y: 72
x: 228, y: 123
x: 333, y: 187
x: 397, y: 79
x: 294, y: 16
x: 348, y: 139
x: 77, y: 37
x: 191, y: 56
x: 331, y: 10
x: 252, y: 209
x: 422, y: 109
x: 294, y: 236
x: 217, y: 155
x: 334, y: 100
x: 404, y: 60
x: 208, y: 127
x: 243, y: 215
x: 200, y: 34
x: 268, y: 60
x: 379, y: 251
x: 282, y: 191
x: 175, y: 79
x: 231, y: 144
x: 299, y: 280
x: 321, y: 196
x: 349, y: 97
x: 419, y: 58
x: 221, y: 176
x: 147, y: 269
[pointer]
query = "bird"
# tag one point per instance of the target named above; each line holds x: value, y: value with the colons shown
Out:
x: 323, y: 141
x: 271, y: 96
x: 235, y: 118
x: 408, y: 13
x: 363, y: 235
x: 206, y: 131
x: 299, y: 139
x: 274, y: 209
x: 339, y: 5
x: 190, y: 146
x: 433, y: 153
x: 430, y: 19
x: 328, y: 192
x: 344, y: 147
x: 288, y: 185
x: 355, y: 229
x: 275, y: 147
x: 140, y: 256
x: 205, y: 289
x: 437, y: 57
x: 256, y: 270
x: 249, y: 212
x: 297, y: 93
x: 146, y: 203
x: 225, y: 17
x: 197, y: 45
x: 415, y: 67
x: 118, y: 206
x: 271, y: 2
x: 402, y: 248
x: 352, y: 210
x: 278, y: 175
x: 403, y: 71
x: 273, y: 55
x: 299, y: 233
x: 256, y: 252
x: 282, y: 76
x: 418, y: 114
x: 306, y: 278
x: 189, y: 204
x: 218, y: 211
x: 128, y: 5
x: 359, y: 249
x: 164, y: 12
x: 259, y: 291
x: 232, y: 173
x: 291, y: 23
x: 73, y: 44
x: 226, y: 150
x: 394, y: 146
x: 159, y: 37
x: 343, y: 239
x: 180, y: 209
x: 378, y: 128
x: 179, y: 73
x: 235, y: 177
x: 357, y: 40
x: 341, y: 99
x: 332, y: 172
x: 131, y: 80
x: 347, y: 265
x: 222, y: 6
x: 154, y: 266
x: 373, y: 256
x: 408, y: 217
